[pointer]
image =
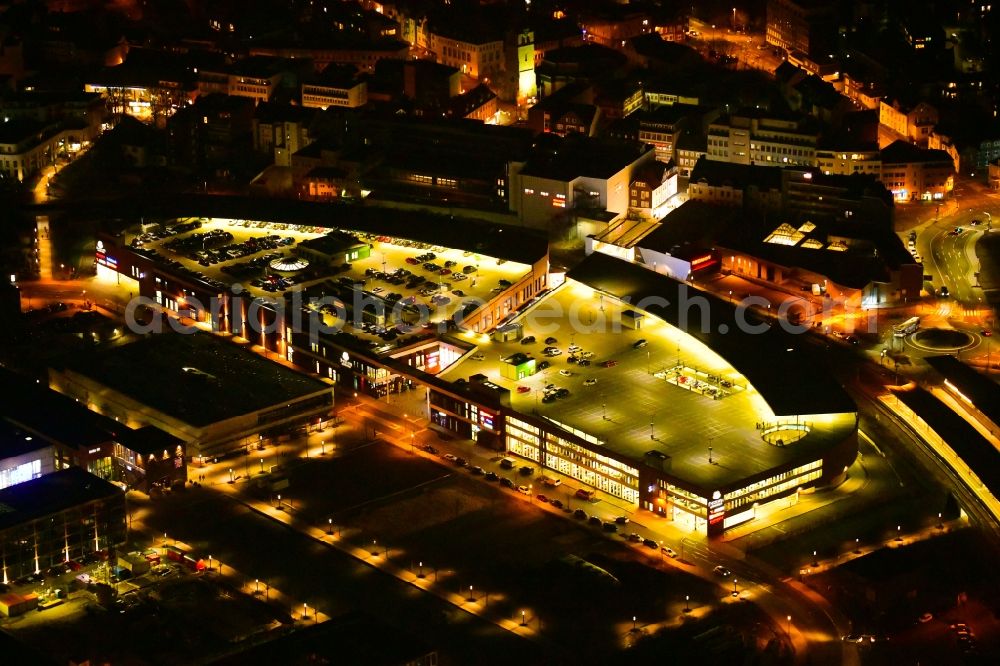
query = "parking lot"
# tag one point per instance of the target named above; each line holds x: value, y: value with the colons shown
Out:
x: 442, y: 520
x: 397, y: 271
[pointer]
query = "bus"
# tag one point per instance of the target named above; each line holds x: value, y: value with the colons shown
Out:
x: 907, y: 327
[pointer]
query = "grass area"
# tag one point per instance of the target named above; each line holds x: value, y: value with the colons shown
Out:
x: 874, y: 526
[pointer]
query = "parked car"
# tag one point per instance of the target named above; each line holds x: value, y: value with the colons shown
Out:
x: 722, y: 571
x: 528, y: 340
x: 609, y: 364
x: 506, y: 483
x: 668, y: 551
x: 639, y: 344
x: 524, y: 490
x: 491, y: 476
x: 580, y: 514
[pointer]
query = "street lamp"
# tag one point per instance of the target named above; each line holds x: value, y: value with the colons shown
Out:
x: 329, y: 526
x: 522, y: 618
x: 261, y: 465
x: 789, y: 620
x: 736, y: 591
x: 687, y: 603
x: 633, y: 623
x: 471, y: 597
x: 899, y: 536
x: 231, y: 478
x: 374, y: 548
x: 209, y: 562
x: 420, y: 570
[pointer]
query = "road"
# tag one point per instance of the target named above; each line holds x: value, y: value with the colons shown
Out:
x: 949, y: 258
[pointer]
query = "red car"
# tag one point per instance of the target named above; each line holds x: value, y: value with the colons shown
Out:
x: 412, y: 261
x: 524, y: 389
x: 609, y: 364
x: 987, y: 332
x: 444, y: 271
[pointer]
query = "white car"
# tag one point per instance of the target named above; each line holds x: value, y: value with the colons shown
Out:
x: 565, y: 373
x: 590, y: 381
x: 479, y: 357
x: 575, y: 348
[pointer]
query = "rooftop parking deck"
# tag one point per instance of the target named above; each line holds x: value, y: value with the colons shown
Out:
x: 640, y: 403
x: 441, y: 284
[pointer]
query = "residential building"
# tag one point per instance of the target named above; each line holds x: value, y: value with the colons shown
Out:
x: 912, y: 173
x: 338, y: 85
x: 281, y: 130
x: 28, y: 146
x: 756, y: 137
x: 477, y: 53
x: 362, y: 55
x: 798, y: 25
x: 651, y: 186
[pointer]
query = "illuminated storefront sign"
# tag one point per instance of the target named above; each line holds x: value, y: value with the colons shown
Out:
x: 486, y: 419
x: 703, y: 262
x: 345, y: 360
x: 433, y: 362
x: 103, y: 259
x: 716, y: 509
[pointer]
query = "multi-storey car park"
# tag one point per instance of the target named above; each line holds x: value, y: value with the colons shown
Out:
x: 704, y: 423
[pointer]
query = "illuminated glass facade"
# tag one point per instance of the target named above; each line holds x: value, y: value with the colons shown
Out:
x: 566, y: 457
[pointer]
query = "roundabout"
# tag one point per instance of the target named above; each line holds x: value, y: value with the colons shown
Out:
x: 943, y: 340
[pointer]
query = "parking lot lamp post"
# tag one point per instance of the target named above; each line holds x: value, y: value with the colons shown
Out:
x: 329, y: 526
x: 374, y: 550
x: 709, y: 454
x: 939, y: 525
x: 471, y: 596
x: 736, y: 590
x: 687, y: 603
x: 815, y: 564
x: 420, y: 570
x: 231, y: 478
x: 261, y: 465
x: 651, y: 435
x: 857, y: 546
x: 305, y: 611
x: 789, y: 627
x: 209, y: 562
x: 899, y: 536
x: 522, y: 619
x: 633, y: 623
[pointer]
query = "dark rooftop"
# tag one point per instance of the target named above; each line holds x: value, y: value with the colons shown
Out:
x: 198, y: 379
x: 974, y: 449
x: 899, y: 152
x: 772, y: 361
x: 148, y: 439
x: 983, y: 392
x: 50, y: 494
x: 737, y: 176
x: 35, y: 407
x: 16, y: 442
x: 576, y: 156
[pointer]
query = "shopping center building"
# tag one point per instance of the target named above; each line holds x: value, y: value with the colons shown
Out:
x: 704, y: 425
x: 704, y: 422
